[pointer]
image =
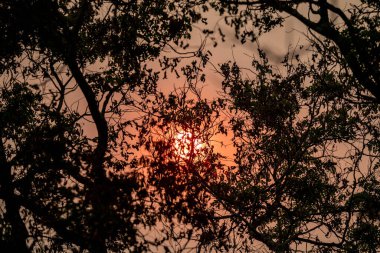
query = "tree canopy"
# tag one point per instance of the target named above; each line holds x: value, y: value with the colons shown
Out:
x: 95, y: 158
x: 60, y: 187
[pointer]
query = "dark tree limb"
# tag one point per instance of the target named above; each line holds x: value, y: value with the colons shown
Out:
x: 352, y: 48
x: 19, y: 233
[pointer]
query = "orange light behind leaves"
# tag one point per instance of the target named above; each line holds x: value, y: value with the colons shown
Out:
x: 186, y: 146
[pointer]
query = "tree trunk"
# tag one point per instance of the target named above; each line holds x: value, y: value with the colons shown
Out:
x: 16, y: 242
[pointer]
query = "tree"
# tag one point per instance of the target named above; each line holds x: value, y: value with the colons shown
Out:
x: 307, y: 149
x: 305, y: 155
x: 306, y: 140
x: 342, y: 86
x: 350, y: 35
x: 62, y: 187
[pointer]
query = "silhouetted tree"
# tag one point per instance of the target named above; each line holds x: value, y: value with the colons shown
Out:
x: 308, y: 142
x: 307, y: 159
x: 306, y: 135
x: 79, y: 101
x: 348, y: 37
x: 64, y: 63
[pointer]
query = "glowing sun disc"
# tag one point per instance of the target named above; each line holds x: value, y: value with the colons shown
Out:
x: 186, y: 145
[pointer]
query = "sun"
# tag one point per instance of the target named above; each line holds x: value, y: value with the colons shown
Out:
x: 187, y: 145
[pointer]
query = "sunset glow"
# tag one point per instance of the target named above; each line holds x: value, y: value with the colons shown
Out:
x: 186, y: 145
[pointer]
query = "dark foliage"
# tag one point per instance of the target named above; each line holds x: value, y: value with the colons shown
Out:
x: 94, y: 159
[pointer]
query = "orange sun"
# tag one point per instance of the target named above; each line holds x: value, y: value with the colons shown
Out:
x: 187, y: 146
